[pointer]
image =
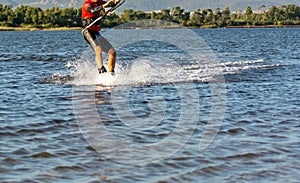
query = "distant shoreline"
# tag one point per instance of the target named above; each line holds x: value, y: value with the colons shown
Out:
x: 190, y: 27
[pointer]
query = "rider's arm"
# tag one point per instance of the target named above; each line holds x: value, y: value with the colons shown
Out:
x: 109, y: 3
x: 99, y: 8
x: 94, y: 10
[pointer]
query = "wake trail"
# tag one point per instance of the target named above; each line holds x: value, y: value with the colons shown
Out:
x: 145, y: 71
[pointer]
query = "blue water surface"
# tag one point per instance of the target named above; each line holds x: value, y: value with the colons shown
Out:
x: 42, y: 110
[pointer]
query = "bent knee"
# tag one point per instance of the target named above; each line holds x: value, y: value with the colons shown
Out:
x: 112, y: 52
x: 98, y: 49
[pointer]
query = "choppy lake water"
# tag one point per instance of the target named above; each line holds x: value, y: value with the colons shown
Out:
x: 201, y: 105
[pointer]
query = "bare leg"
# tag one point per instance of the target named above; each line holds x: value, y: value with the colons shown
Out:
x: 98, y: 57
x: 95, y: 44
x: 111, y: 59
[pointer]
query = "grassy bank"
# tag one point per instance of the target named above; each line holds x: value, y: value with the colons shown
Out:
x: 36, y: 29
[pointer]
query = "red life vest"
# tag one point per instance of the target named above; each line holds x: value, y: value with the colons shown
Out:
x: 88, y: 15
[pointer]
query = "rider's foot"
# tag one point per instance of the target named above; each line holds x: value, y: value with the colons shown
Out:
x: 102, y: 70
x: 112, y: 72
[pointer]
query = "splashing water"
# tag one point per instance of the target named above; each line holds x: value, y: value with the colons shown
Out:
x: 147, y: 71
x: 142, y: 71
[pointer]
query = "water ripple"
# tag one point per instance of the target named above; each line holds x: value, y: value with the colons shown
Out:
x: 258, y: 141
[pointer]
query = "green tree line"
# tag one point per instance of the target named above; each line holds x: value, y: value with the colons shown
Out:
x: 26, y: 16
